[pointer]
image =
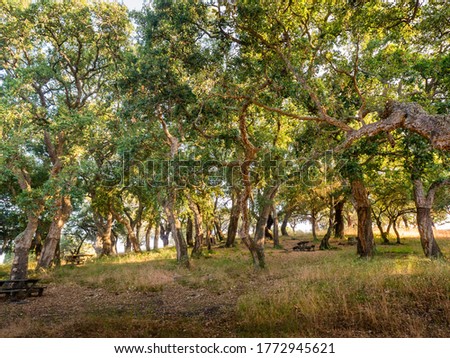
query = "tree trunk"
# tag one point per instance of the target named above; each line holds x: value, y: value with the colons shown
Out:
x: 198, y: 224
x: 256, y: 246
x: 128, y: 245
x: 284, y: 225
x: 132, y: 241
x: 132, y: 237
x: 114, y: 238
x: 425, y: 226
x: 267, y: 231
x: 314, y: 224
x: 349, y: 219
x: 405, y: 222
x: 424, y: 202
x: 397, y: 235
x: 293, y: 224
x: 339, y: 226
x: 388, y: 229
x: 189, y: 232
x: 325, y: 243
x: 147, y: 236
x: 208, y: 237
x: 180, y: 243
x: 54, y: 234
x: 137, y: 231
x: 107, y: 244
x: 245, y: 218
x: 38, y: 244
x: 156, y: 238
x: 276, y: 235
x: 22, y: 244
x: 212, y: 237
x: 165, y: 231
x: 234, y: 221
x: 57, y: 256
x: 366, y: 245
x: 218, y: 230
x: 98, y: 238
x: 169, y: 207
x: 380, y: 228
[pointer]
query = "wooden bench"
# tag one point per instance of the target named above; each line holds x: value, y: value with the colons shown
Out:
x: 16, y: 289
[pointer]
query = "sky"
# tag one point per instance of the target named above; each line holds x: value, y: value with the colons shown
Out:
x: 133, y: 4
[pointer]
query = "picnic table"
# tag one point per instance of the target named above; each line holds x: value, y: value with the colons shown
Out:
x: 21, y: 288
x: 76, y: 259
x: 304, y: 246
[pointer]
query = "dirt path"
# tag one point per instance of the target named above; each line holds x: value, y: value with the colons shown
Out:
x: 75, y: 311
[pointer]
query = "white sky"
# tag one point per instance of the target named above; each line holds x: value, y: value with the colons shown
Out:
x: 132, y: 4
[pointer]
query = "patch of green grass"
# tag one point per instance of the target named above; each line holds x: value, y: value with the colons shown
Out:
x: 4, y: 271
x: 336, y: 294
x: 148, y: 271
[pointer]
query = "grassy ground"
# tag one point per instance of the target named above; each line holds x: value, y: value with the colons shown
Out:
x: 300, y: 294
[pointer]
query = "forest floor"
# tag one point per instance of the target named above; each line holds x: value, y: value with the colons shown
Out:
x: 300, y: 294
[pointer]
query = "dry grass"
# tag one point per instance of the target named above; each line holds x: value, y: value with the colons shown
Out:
x: 332, y: 294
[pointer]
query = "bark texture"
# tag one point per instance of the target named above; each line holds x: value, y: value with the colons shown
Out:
x: 366, y: 245
x: 175, y: 226
x: 132, y: 240
x: 234, y: 220
x: 410, y: 116
x: 256, y: 245
x: 198, y: 224
x: 276, y: 234
x: 339, y: 225
x: 22, y: 244
x: 156, y: 238
x: 64, y: 209
x: 424, y: 202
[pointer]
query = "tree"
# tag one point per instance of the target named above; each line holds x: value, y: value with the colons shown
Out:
x: 68, y: 68
x: 425, y: 167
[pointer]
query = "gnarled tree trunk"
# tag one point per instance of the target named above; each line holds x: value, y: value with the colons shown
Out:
x: 51, y: 242
x: 276, y: 235
x: 189, y: 232
x: 175, y: 225
x: 131, y: 236
x: 424, y: 203
x: 256, y: 245
x: 366, y: 245
x: 107, y: 243
x: 22, y: 244
x: 339, y: 225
